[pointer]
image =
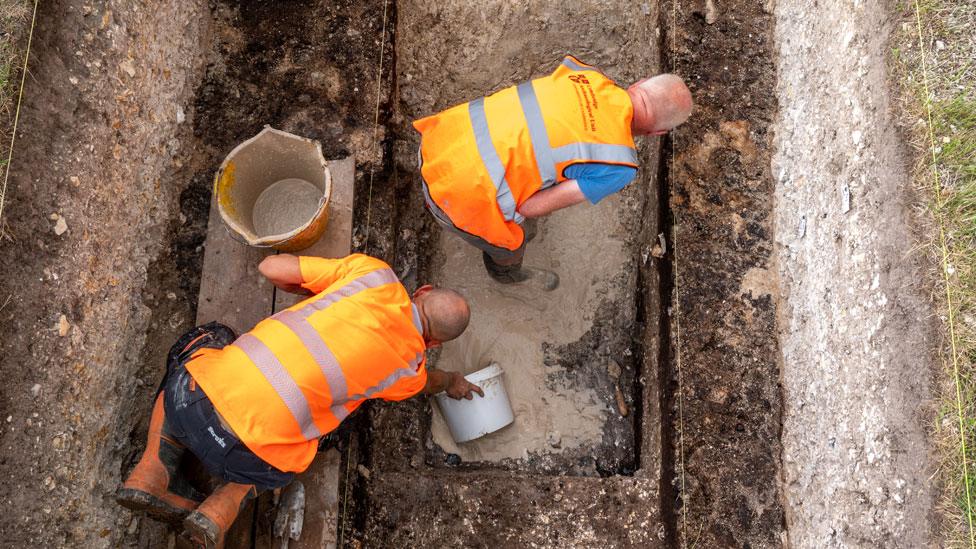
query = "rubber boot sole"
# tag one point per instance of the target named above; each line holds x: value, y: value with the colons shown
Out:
x: 201, y: 530
x: 137, y: 500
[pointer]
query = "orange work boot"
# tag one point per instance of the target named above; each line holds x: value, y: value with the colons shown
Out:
x: 208, y: 524
x: 154, y: 486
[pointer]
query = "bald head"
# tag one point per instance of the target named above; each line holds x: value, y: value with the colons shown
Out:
x: 661, y: 103
x: 446, y: 313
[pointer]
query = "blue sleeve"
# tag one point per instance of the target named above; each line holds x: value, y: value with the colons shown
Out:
x: 598, y: 181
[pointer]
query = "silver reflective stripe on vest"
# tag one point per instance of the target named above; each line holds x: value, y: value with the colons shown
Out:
x: 416, y: 320
x: 595, y: 152
x: 568, y: 62
x: 319, y: 350
x: 371, y: 280
x: 388, y: 381
x: 340, y: 410
x: 281, y: 381
x: 415, y: 362
x: 537, y: 134
x: 489, y: 157
x: 546, y: 157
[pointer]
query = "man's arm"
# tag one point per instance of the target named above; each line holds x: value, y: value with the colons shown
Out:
x: 452, y: 382
x: 285, y: 272
x: 554, y: 198
x: 309, y: 275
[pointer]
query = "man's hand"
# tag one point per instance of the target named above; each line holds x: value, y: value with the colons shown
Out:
x: 452, y: 383
x: 459, y: 388
x: 285, y: 272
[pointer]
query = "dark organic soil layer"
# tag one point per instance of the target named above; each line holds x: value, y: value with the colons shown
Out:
x: 502, y: 510
x: 726, y: 434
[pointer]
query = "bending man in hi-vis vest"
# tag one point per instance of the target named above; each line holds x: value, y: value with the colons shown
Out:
x: 529, y: 150
x: 252, y: 408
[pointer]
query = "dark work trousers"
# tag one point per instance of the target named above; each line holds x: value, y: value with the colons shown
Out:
x: 192, y: 420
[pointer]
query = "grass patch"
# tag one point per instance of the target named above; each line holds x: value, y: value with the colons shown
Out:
x: 940, y: 117
x: 15, y: 18
x: 15, y: 21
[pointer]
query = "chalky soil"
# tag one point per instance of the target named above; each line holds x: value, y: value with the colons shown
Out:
x: 285, y: 206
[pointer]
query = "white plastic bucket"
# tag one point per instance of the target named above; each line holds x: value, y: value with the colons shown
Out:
x: 470, y: 419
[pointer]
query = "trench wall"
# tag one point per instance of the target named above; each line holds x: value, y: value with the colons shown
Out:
x: 855, y: 327
x: 101, y: 137
x: 724, y: 395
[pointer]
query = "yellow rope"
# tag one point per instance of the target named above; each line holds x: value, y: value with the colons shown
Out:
x: 944, y: 248
x: 20, y: 96
x: 376, y: 126
x: 675, y: 297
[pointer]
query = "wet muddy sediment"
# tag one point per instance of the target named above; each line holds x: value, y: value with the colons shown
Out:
x: 566, y: 353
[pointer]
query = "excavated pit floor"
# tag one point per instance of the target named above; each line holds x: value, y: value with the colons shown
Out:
x: 565, y: 405
x: 581, y: 465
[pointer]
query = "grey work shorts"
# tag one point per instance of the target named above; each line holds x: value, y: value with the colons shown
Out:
x: 497, y: 253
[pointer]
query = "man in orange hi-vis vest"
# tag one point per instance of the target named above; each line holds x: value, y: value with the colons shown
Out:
x: 531, y: 149
x: 253, y: 408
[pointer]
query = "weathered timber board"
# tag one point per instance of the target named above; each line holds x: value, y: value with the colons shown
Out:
x: 233, y: 292
x: 321, y: 480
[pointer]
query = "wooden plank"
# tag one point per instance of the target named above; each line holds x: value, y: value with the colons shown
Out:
x: 232, y: 291
x: 321, y: 480
x: 337, y: 240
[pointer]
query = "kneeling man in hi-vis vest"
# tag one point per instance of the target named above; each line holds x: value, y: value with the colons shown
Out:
x: 252, y: 408
x: 529, y: 150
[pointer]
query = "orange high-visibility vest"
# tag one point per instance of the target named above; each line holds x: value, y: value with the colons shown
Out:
x: 299, y: 373
x: 481, y: 160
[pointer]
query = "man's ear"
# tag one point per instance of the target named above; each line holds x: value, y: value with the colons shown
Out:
x: 422, y: 290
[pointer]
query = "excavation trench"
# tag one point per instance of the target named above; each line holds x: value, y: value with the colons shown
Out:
x: 768, y: 354
x: 612, y: 445
x: 590, y: 367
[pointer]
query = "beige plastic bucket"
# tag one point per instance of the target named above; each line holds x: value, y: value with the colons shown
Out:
x: 273, y: 190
